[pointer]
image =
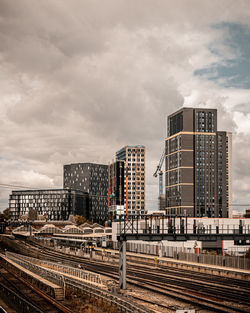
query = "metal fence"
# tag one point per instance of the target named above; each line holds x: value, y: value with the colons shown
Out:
x: 217, y: 260
x: 55, y: 278
x: 42, y: 266
x: 178, y: 254
x: 122, y: 303
x: 150, y: 249
x: 79, y: 273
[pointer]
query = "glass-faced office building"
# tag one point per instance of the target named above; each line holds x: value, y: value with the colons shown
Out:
x: 198, y: 165
x: 93, y: 179
x: 54, y: 204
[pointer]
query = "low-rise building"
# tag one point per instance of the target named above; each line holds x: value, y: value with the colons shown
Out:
x: 54, y: 204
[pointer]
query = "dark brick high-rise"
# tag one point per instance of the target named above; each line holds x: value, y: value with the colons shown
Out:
x: 93, y: 179
x: 198, y: 164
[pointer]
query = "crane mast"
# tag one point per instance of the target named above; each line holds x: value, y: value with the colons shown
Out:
x: 159, y: 173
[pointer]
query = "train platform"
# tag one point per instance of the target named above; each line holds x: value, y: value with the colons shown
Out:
x: 75, y: 274
x: 68, y: 272
x: 197, y: 267
x: 54, y: 290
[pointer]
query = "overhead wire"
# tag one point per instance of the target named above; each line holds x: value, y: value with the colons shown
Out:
x: 11, y: 186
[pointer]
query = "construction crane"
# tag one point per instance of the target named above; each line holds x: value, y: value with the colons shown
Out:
x: 160, y: 173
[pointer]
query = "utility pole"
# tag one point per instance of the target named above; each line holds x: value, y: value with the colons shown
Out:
x: 122, y: 264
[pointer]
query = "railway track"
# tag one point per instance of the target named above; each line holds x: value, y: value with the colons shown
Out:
x: 213, y: 289
x: 214, y: 293
x: 185, y: 274
x: 106, y: 300
x: 196, y: 297
x: 194, y: 274
x: 163, y: 306
x: 29, y: 295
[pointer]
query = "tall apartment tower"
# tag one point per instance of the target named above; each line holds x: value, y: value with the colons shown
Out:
x: 133, y: 180
x: 198, y: 165
x: 93, y: 179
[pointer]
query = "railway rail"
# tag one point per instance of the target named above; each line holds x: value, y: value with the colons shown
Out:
x: 80, y: 286
x: 213, y: 289
x: 25, y: 297
x: 219, y: 294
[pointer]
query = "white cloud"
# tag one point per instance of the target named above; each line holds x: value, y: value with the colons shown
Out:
x: 78, y: 80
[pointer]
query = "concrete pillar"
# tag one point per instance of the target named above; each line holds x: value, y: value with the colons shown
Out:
x: 122, y: 264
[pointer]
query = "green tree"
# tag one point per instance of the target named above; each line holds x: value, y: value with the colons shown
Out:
x: 80, y: 220
x: 6, y: 214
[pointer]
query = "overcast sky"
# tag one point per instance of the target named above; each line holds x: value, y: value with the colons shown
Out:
x: 81, y: 79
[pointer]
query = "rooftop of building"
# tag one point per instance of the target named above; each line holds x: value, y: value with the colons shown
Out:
x: 86, y: 163
x: 191, y: 108
x: 130, y: 147
x: 58, y: 190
